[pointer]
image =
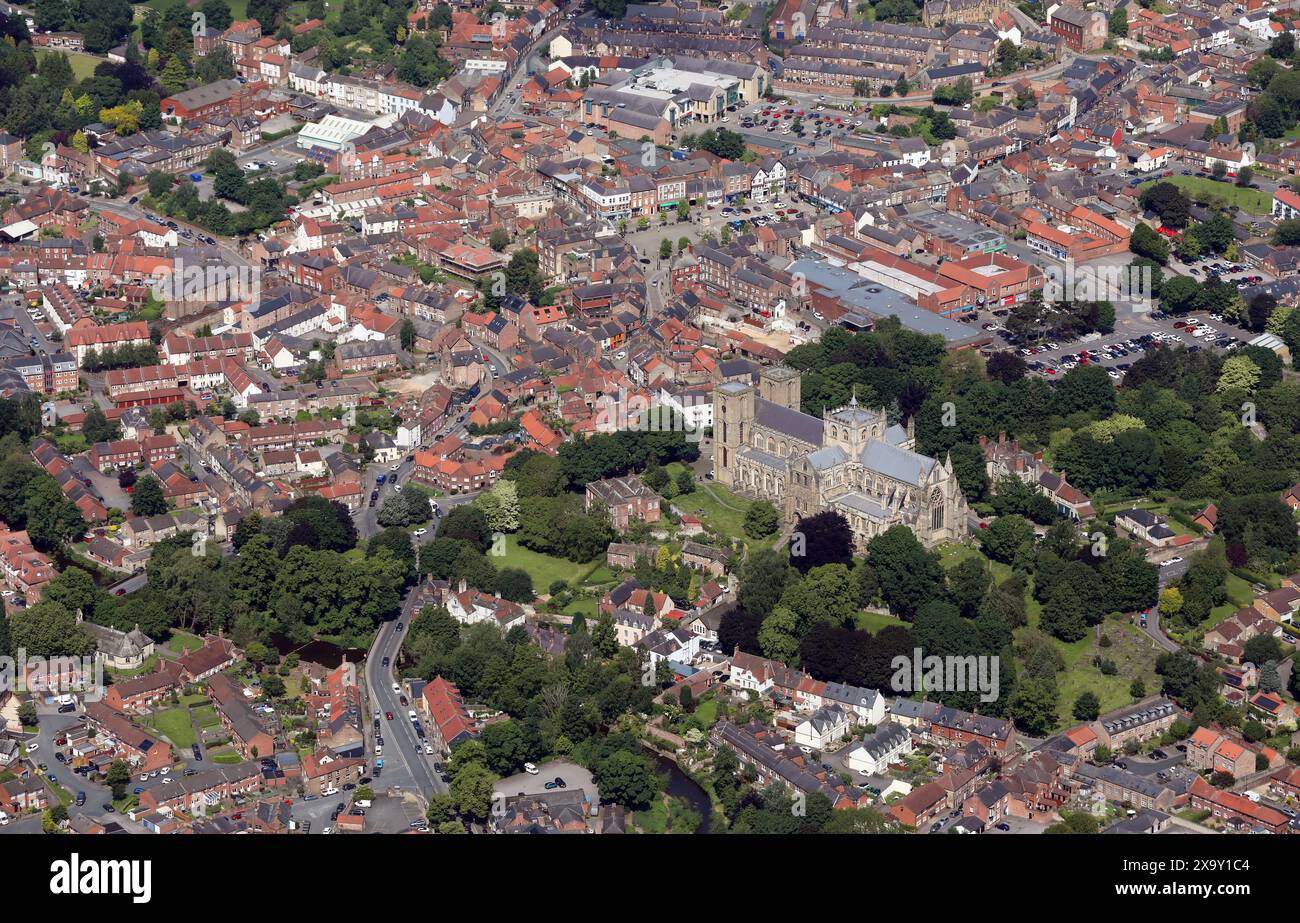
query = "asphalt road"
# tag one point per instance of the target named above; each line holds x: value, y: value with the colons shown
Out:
x: 1168, y: 574
x: 50, y: 726
x: 405, y: 763
x: 508, y: 103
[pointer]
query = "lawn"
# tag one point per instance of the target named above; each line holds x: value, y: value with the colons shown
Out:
x: 183, y: 642
x: 1240, y: 595
x: 227, y: 758
x: 174, y: 724
x: 1200, y: 188
x: 83, y: 65
x: 206, y: 716
x: 1130, y: 649
x: 874, y: 621
x: 543, y: 568
x: 707, y: 711
x: 721, y: 510
x: 602, y: 574
x: 587, y: 606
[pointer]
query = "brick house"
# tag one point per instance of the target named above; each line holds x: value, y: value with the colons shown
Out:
x: 143, y: 691
x: 1236, y: 810
x: 1208, y: 750
x: 197, y: 793
x: 247, y: 733
x: 1139, y: 722
x: 628, y: 500
x: 920, y: 806
x: 142, y: 750
x: 322, y: 771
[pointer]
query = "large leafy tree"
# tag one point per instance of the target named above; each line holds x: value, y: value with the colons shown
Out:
x: 823, y: 538
x: 763, y: 581
x: 147, y: 497
x: 909, y: 575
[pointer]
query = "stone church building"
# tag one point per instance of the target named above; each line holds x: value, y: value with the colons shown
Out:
x: 851, y: 461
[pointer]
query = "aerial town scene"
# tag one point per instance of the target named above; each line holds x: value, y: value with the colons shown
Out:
x: 680, y: 417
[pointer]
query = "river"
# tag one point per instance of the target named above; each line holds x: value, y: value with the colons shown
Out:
x: 680, y: 785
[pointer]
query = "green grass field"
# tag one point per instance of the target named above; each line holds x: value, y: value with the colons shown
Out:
x: 1131, y: 650
x: 721, y: 510
x: 1132, y: 653
x: 1240, y: 595
x: 707, y: 711
x: 543, y: 568
x: 1200, y: 188
x: 206, y: 716
x: 874, y: 621
x: 174, y: 724
x: 183, y: 642
x: 587, y: 606
x: 83, y: 65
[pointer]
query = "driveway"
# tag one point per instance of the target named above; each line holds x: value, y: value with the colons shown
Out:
x: 523, y: 783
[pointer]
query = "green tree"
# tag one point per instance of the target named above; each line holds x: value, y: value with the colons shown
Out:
x: 761, y: 519
x: 1033, y: 705
x: 147, y: 497
x: 471, y: 790
x: 1087, y: 706
x: 909, y: 575
x: 627, y: 779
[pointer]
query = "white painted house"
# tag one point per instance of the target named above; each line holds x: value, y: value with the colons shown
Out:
x: 822, y: 728
x: 887, y: 744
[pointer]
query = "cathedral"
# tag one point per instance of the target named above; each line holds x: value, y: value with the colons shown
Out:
x: 851, y: 461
